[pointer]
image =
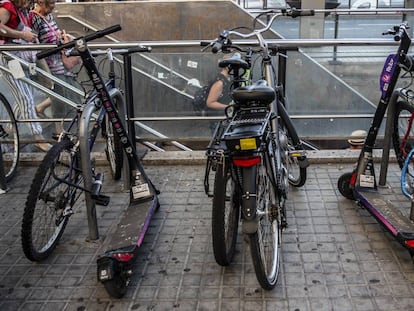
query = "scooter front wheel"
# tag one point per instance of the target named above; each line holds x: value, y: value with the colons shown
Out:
x: 344, y: 186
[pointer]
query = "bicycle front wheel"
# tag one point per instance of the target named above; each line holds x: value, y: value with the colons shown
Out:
x: 9, y: 139
x: 403, y: 131
x: 49, y: 202
x: 290, y: 141
x: 265, y: 243
x: 225, y: 214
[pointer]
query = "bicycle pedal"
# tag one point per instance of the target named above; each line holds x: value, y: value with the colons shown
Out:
x: 301, y: 156
x: 101, y: 199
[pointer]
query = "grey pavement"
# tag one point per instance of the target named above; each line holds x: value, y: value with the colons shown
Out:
x: 335, y: 255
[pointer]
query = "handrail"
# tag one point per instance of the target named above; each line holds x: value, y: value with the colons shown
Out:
x: 283, y: 43
x: 379, y: 11
x: 43, y: 88
x: 195, y: 43
x: 152, y: 131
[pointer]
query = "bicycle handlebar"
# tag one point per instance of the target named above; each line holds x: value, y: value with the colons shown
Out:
x: 223, y: 39
x: 71, y: 44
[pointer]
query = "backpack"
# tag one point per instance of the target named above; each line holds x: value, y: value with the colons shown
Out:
x: 200, y: 100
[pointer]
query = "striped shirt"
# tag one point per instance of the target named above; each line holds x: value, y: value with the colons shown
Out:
x: 48, y: 32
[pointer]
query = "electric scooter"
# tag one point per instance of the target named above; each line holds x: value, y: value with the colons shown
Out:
x: 115, y: 265
x: 361, y: 184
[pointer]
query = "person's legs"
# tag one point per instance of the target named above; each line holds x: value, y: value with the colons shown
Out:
x: 25, y: 105
x: 40, y: 108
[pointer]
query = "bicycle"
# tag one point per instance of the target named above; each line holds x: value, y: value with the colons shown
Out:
x: 252, y: 152
x: 66, y: 172
x: 9, y: 139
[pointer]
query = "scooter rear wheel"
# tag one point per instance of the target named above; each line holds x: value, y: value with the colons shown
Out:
x: 117, y: 285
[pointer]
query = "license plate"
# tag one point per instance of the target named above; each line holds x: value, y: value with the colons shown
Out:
x: 248, y: 143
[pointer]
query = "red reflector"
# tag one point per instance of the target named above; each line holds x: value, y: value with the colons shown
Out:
x: 124, y: 257
x: 410, y: 243
x: 353, y: 178
x: 246, y: 162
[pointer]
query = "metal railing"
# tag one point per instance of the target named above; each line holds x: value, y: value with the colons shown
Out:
x: 284, y: 43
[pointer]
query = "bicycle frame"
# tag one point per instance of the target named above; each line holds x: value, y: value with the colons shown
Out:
x: 138, y: 192
x: 114, y: 266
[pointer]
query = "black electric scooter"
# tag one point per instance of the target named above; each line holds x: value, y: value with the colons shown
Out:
x: 115, y: 265
x: 361, y: 184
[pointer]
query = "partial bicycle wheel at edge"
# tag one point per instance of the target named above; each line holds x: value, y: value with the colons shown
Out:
x: 265, y: 244
x: 45, y: 217
x: 225, y: 214
x: 9, y: 139
x: 401, y: 128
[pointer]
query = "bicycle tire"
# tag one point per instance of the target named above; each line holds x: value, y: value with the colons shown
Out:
x: 407, y: 176
x: 399, y: 130
x: 297, y: 174
x: 9, y: 139
x: 44, y: 218
x: 113, y: 150
x: 265, y: 243
x: 225, y: 214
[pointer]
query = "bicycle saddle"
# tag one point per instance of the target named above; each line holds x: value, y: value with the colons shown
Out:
x: 234, y: 61
x: 257, y: 94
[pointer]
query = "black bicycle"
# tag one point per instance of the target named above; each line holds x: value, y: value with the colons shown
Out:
x: 255, y: 153
x: 67, y: 172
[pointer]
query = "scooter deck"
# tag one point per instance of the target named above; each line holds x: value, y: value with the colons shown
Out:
x: 134, y: 222
x: 390, y: 211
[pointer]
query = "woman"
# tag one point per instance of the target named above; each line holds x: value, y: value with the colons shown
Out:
x: 219, y: 96
x: 14, y: 28
x: 44, y: 24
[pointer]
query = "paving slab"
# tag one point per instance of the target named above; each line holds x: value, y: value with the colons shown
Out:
x: 335, y: 255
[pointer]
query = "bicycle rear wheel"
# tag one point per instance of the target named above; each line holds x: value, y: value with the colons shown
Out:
x: 403, y: 131
x: 113, y: 150
x: 49, y: 202
x: 9, y: 139
x: 265, y: 244
x: 225, y: 214
x: 407, y: 176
